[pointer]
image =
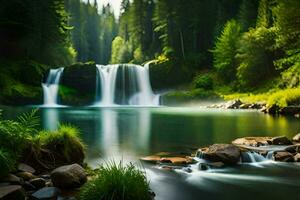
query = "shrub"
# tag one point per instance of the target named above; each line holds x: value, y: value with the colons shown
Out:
x: 117, y: 182
x: 225, y: 51
x: 7, y: 163
x: 203, y: 81
x: 284, y: 98
x: 16, y: 135
x: 63, y: 145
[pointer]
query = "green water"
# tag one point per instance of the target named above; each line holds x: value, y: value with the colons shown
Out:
x: 129, y: 133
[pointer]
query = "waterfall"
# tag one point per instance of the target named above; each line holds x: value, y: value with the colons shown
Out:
x: 51, y: 86
x: 252, y: 157
x: 124, y: 84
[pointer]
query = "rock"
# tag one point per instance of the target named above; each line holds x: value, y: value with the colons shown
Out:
x: 283, y: 156
x: 290, y: 110
x: 69, y: 176
x: 187, y: 169
x: 12, y: 192
x: 245, y: 106
x: 281, y: 140
x: 216, y: 164
x: 12, y: 179
x: 151, y: 159
x: 26, y: 175
x: 203, y: 166
x: 293, y: 149
x: 296, y: 138
x: 47, y: 193
x: 25, y: 168
x: 177, y: 160
x: 253, y: 141
x: 233, y: 104
x: 226, y: 153
x: 38, y: 182
x: 297, y: 157
x: 28, y: 186
x: 46, y: 176
x: 2, y: 184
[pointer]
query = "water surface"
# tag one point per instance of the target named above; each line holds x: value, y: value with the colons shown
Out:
x: 128, y: 133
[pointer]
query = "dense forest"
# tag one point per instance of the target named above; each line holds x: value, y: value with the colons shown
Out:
x: 242, y: 44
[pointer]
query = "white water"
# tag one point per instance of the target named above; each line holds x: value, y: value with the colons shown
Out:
x: 50, y: 88
x: 137, y: 82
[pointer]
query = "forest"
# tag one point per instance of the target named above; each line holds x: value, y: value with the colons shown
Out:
x: 149, y: 99
x: 242, y: 44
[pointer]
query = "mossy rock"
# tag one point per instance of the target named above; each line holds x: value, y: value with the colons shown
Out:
x: 78, y: 84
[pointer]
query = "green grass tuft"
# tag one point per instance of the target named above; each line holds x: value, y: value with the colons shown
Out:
x: 117, y: 182
x: 65, y: 143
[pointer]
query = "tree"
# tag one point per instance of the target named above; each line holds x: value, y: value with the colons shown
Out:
x: 225, y: 51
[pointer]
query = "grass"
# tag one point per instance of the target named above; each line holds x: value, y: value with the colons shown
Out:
x: 21, y: 139
x: 117, y: 182
x: 278, y: 98
x: 7, y: 163
x: 65, y: 144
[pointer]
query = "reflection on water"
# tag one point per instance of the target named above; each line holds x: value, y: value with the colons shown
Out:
x: 128, y: 133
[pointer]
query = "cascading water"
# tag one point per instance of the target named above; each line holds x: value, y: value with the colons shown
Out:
x: 124, y: 84
x: 51, y: 86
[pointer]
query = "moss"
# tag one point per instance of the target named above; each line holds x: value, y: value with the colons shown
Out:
x: 60, y: 147
x: 115, y: 182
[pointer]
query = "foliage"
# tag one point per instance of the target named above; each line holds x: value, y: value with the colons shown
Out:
x: 203, y: 81
x: 115, y: 182
x: 7, y: 163
x: 225, y: 51
x: 65, y: 141
x: 285, y: 98
x: 17, y: 135
x: 255, y: 56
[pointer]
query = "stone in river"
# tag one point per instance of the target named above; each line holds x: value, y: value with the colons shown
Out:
x: 38, y: 182
x: 225, y: 153
x: 253, y: 141
x: 296, y: 138
x: 151, y: 159
x: 283, y: 156
x: 281, y: 140
x: 69, y: 176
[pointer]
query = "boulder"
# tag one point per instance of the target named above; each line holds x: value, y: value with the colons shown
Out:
x: 69, y: 176
x: 296, y: 138
x: 26, y: 175
x: 12, y: 179
x: 281, y: 140
x: 12, y: 192
x: 38, y: 182
x: 290, y: 110
x: 233, y: 104
x: 47, y: 193
x: 297, y: 157
x: 283, y: 156
x: 177, y: 160
x: 226, y: 153
x: 25, y: 168
x: 253, y: 141
x: 151, y: 159
x: 28, y: 186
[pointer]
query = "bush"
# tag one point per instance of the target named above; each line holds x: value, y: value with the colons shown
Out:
x: 16, y: 135
x: 284, y: 98
x: 117, y: 182
x: 64, y: 146
x: 225, y: 51
x: 255, y: 56
x: 203, y: 81
x: 7, y: 163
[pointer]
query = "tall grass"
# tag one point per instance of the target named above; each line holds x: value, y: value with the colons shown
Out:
x: 117, y: 182
x: 7, y: 162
